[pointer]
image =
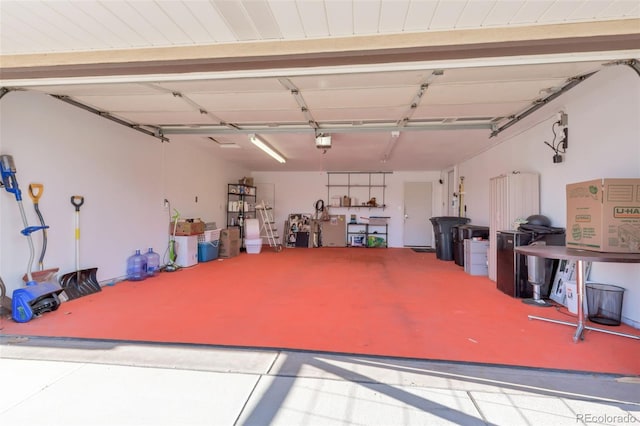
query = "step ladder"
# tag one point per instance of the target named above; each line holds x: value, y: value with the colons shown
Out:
x: 267, y: 229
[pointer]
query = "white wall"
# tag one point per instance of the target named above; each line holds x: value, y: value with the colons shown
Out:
x: 124, y: 176
x: 297, y: 192
x: 604, y: 141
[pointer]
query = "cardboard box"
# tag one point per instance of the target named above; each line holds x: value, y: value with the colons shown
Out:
x: 191, y: 227
x: 604, y: 215
x: 229, y: 245
x: 246, y: 181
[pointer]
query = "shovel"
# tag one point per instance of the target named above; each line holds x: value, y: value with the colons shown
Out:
x: 83, y: 281
x: 42, y: 275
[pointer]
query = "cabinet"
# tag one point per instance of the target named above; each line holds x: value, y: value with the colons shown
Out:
x: 241, y: 205
x: 475, y: 257
x: 356, y: 190
x: 366, y: 235
x: 512, y: 272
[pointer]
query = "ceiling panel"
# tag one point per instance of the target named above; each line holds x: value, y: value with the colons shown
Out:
x: 235, y: 85
x: 185, y: 21
x: 392, y: 15
x: 237, y: 19
x: 531, y: 11
x: 166, y: 118
x: 340, y: 18
x: 263, y: 19
x: 46, y: 23
x: 123, y: 89
x: 148, y: 20
x: 77, y: 23
x: 503, y: 12
x: 245, y: 101
x: 622, y: 8
x: 354, y: 98
x: 244, y: 117
x: 362, y: 113
x: 366, y: 16
x: 420, y: 15
x: 359, y: 80
x: 147, y: 103
x: 286, y: 15
x: 211, y: 20
x: 516, y: 72
x: 314, y: 18
x: 478, y: 109
x: 558, y: 11
x: 590, y: 9
x: 490, y: 92
x: 446, y: 14
x: 111, y: 25
x: 473, y: 14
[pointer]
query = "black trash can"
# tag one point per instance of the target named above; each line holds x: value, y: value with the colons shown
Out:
x: 604, y: 303
x: 442, y: 228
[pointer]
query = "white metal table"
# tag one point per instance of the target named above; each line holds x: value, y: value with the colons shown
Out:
x: 580, y: 256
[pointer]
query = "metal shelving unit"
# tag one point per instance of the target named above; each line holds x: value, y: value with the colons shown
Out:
x: 367, y: 185
x: 358, y: 234
x: 241, y: 205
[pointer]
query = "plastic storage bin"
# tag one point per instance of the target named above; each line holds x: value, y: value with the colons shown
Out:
x: 208, y: 251
x: 442, y: 228
x: 253, y: 245
x: 604, y: 303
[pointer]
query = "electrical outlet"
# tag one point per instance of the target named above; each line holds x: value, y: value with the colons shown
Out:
x: 165, y: 204
x: 563, y: 119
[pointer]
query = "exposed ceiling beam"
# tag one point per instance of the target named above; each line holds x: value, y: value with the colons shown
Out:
x: 615, y: 35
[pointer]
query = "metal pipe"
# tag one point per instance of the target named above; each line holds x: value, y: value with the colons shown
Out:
x: 631, y: 336
x: 573, y: 82
x: 157, y: 134
x: 208, y: 130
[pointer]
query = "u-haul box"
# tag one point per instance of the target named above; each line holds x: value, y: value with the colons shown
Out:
x: 604, y: 215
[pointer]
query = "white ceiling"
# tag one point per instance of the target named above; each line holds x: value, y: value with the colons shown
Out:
x: 444, y: 101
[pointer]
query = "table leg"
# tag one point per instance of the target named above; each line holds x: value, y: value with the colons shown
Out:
x: 580, y: 300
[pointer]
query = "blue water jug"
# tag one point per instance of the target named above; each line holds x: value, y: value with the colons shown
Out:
x: 153, y: 262
x: 137, y: 267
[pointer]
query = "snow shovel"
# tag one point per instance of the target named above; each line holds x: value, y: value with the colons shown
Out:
x: 83, y: 281
x: 42, y: 275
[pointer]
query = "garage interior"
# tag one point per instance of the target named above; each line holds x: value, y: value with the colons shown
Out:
x: 146, y: 109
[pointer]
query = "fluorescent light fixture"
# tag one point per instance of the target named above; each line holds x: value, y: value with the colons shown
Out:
x: 257, y: 141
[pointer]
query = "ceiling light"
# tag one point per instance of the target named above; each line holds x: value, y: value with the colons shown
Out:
x: 257, y: 141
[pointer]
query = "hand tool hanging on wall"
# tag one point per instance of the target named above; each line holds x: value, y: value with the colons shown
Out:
x: 462, y: 209
x: 36, y: 298
x: 41, y: 275
x: 81, y: 282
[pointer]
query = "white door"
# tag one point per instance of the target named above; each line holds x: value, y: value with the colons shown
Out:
x: 417, y: 211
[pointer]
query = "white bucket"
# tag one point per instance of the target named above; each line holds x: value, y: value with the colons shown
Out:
x: 252, y: 229
x: 253, y: 245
